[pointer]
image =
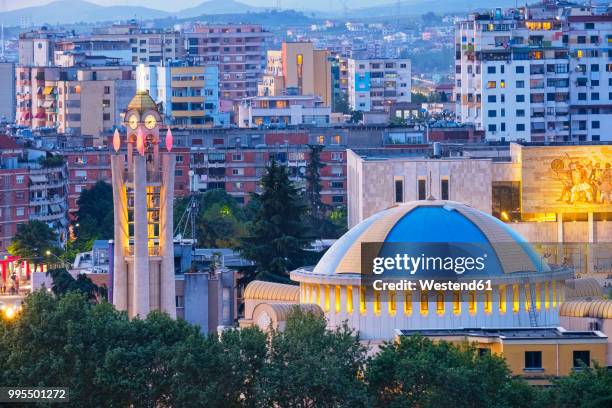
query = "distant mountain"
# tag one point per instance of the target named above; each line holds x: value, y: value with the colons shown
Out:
x: 72, y: 11
x: 218, y: 7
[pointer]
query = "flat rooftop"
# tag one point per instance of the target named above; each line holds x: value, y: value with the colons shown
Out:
x: 507, y: 333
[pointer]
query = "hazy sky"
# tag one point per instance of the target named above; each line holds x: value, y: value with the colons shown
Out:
x: 175, y: 5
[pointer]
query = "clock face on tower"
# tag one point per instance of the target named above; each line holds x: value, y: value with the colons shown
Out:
x: 133, y: 121
x: 150, y: 121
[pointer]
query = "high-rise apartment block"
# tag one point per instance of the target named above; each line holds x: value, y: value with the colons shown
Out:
x: 82, y: 101
x: 538, y: 73
x: 187, y: 93
x: 298, y: 69
x: 238, y: 50
x: 376, y: 84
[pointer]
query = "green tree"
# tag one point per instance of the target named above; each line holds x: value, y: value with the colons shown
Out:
x: 219, y: 220
x: 278, y: 234
x: 588, y: 387
x: 94, y: 216
x: 417, y: 372
x: 32, y: 240
x: 313, y: 187
x: 64, y: 283
x: 310, y: 366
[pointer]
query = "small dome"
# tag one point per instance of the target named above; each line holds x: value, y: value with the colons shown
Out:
x: 142, y: 101
x: 435, y: 221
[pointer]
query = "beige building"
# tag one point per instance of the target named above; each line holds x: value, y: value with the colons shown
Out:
x: 548, y: 194
x: 298, y: 68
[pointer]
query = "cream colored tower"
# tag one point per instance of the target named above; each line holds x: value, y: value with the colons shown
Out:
x: 143, y: 193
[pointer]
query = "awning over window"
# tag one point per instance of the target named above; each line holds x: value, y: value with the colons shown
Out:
x: 38, y: 178
x: 47, y: 104
x: 39, y: 90
x: 40, y: 115
x: 48, y: 90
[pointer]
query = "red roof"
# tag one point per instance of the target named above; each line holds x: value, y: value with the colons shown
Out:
x: 7, y: 142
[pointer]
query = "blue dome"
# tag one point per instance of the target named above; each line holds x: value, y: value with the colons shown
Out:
x: 466, y: 230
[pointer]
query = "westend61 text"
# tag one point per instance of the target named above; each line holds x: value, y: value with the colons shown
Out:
x: 431, y: 284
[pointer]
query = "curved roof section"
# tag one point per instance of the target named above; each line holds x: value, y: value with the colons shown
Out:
x: 432, y: 221
x: 260, y: 290
x: 599, y: 309
x: 583, y: 288
x: 142, y: 101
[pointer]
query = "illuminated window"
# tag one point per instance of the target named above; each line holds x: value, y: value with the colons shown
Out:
x: 538, y: 297
x: 424, y: 303
x: 561, y: 295
x: 337, y: 298
x: 554, y: 294
x: 516, y: 299
x: 392, y: 305
x: 327, y: 298
x: 313, y: 293
x: 502, y: 299
x: 472, y: 302
x: 306, y: 293
x: 440, y: 303
x: 546, y: 296
x: 407, y: 302
x: 349, y: 299
x: 488, y: 301
x: 376, y: 302
x: 318, y: 294
x: 579, y: 53
x: 491, y: 84
x: 457, y: 303
x: 527, y: 297
x: 321, y: 139
x: 336, y: 139
x: 362, y: 299
x: 502, y: 84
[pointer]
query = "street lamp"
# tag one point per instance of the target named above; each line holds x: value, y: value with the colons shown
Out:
x: 66, y: 264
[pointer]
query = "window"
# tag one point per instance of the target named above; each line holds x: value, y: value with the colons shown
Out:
x: 533, y: 360
x: 520, y: 127
x: 237, y: 172
x: 491, y: 84
x: 422, y: 192
x: 594, y: 96
x: 492, y: 113
x: 399, y: 190
x: 520, y: 98
x: 492, y: 98
x: 595, y: 124
x: 444, y: 189
x: 520, y: 84
x: 492, y: 128
x: 491, y: 70
x: 19, y: 211
x: 440, y: 303
x: 179, y: 158
x: 520, y: 69
x: 336, y: 156
x: 19, y: 179
x: 457, y: 303
x: 483, y: 351
x: 520, y: 113
x: 424, y: 303
x: 237, y: 157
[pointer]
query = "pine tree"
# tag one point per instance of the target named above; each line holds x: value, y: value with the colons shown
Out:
x: 278, y: 234
x: 313, y: 180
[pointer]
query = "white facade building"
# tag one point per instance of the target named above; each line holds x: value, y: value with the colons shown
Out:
x: 375, y: 84
x: 288, y: 110
x: 539, y: 73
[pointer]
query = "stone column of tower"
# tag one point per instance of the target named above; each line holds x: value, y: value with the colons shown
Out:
x: 143, y: 194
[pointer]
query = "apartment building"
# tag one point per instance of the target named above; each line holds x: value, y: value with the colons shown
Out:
x: 538, y: 73
x: 130, y: 43
x: 81, y: 101
x: 85, y: 167
x: 238, y: 170
x: 376, y: 84
x: 7, y: 91
x: 298, y: 69
x: 36, y: 47
x: 237, y: 49
x: 187, y: 92
x: 48, y: 194
x: 282, y: 111
x: 14, y: 204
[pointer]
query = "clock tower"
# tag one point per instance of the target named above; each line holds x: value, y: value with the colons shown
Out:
x: 143, y: 194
